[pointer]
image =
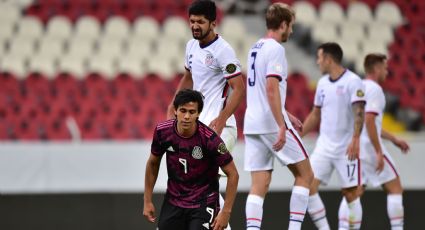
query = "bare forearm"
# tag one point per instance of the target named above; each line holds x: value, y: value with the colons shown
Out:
x: 233, y: 101
x: 231, y: 190
x: 358, y: 112
x: 373, y: 134
x: 151, y: 175
x: 273, y: 96
x: 388, y: 136
x: 311, y: 122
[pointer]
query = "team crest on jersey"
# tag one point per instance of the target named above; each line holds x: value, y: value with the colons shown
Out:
x: 360, y: 93
x: 231, y: 68
x: 197, y: 153
x: 209, y: 59
x: 278, y: 68
x: 339, y: 90
x: 222, y: 148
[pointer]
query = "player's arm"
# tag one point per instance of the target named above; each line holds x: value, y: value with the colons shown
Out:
x: 233, y: 101
x: 400, y: 143
x: 312, y: 121
x: 374, y: 139
x: 223, y: 217
x: 151, y: 174
x: 298, y: 125
x: 185, y: 83
x: 358, y: 113
x: 274, y: 98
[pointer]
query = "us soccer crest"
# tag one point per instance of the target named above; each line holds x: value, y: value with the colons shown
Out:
x: 197, y: 153
x: 209, y: 59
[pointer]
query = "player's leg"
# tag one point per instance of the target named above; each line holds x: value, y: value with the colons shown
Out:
x: 392, y: 186
x: 295, y: 156
x: 322, y: 169
x: 229, y: 136
x: 259, y: 161
x: 343, y: 212
x: 171, y: 217
x: 350, y: 177
x: 300, y: 193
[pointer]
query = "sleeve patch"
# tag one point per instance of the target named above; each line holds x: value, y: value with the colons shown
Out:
x: 360, y: 93
x: 222, y: 148
x: 231, y: 68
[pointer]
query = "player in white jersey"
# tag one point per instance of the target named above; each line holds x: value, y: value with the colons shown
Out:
x: 211, y: 67
x: 267, y: 126
x: 377, y: 164
x: 339, y: 108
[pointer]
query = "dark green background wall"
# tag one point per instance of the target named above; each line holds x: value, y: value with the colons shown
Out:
x: 124, y: 211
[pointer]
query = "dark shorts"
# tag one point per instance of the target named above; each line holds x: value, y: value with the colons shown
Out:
x: 176, y: 218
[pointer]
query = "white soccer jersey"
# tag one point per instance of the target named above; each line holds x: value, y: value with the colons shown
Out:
x: 265, y: 59
x: 211, y: 66
x: 335, y: 98
x: 375, y: 103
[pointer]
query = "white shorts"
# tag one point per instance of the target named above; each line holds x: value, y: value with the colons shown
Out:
x: 259, y: 153
x: 229, y: 135
x: 374, y: 178
x: 349, y: 172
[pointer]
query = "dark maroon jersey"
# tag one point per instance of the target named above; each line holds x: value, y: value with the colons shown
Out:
x: 192, y: 163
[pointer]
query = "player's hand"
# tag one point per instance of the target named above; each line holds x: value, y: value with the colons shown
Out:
x: 281, y: 139
x: 379, y: 162
x: 149, y: 211
x: 402, y: 144
x: 170, y: 112
x: 298, y: 125
x: 218, y: 125
x: 353, y: 149
x: 221, y: 221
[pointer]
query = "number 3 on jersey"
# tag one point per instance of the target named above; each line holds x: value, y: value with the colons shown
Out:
x: 251, y: 81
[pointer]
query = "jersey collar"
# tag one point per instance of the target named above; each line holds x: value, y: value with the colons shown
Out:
x: 340, y: 76
x: 209, y: 43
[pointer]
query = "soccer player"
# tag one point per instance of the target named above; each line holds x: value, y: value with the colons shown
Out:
x: 377, y: 164
x: 267, y: 126
x: 194, y: 154
x: 339, y: 109
x: 211, y: 67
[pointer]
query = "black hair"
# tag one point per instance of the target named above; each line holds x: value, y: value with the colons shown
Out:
x: 203, y: 7
x: 332, y: 49
x: 187, y: 95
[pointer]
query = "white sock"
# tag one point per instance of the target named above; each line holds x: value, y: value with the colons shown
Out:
x: 297, y: 207
x: 395, y: 211
x: 221, y: 200
x: 254, y: 212
x: 343, y: 215
x: 317, y: 212
x: 355, y: 214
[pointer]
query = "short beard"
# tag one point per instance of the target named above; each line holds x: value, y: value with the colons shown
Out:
x: 202, y: 36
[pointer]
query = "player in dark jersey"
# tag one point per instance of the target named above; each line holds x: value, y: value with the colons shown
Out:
x: 194, y: 153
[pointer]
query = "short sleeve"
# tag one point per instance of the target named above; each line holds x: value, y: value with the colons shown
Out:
x: 187, y: 56
x: 276, y: 64
x: 356, y: 90
x: 229, y: 64
x: 319, y: 96
x: 219, y: 150
x: 157, y: 148
x: 373, y: 102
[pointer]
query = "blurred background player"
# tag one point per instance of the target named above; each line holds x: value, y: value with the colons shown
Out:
x: 211, y: 67
x: 194, y: 154
x: 267, y: 128
x: 339, y: 109
x: 377, y: 164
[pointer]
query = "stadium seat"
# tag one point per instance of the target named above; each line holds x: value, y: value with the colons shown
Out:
x: 146, y: 27
x: 72, y: 65
x: 9, y: 13
x: 80, y: 48
x: 50, y: 48
x: 15, y: 65
x: 6, y: 30
x: 21, y: 47
x: 176, y: 27
x: 132, y: 66
x: 116, y: 27
x: 388, y: 12
x: 306, y: 13
x: 324, y: 32
x: 109, y: 47
x: 87, y: 27
x: 59, y: 27
x: 331, y: 12
x: 359, y: 12
x: 380, y: 32
x: 352, y: 31
x: 102, y: 65
x: 29, y: 27
x: 43, y: 65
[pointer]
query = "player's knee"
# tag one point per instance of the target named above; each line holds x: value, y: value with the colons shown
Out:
x: 351, y: 194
